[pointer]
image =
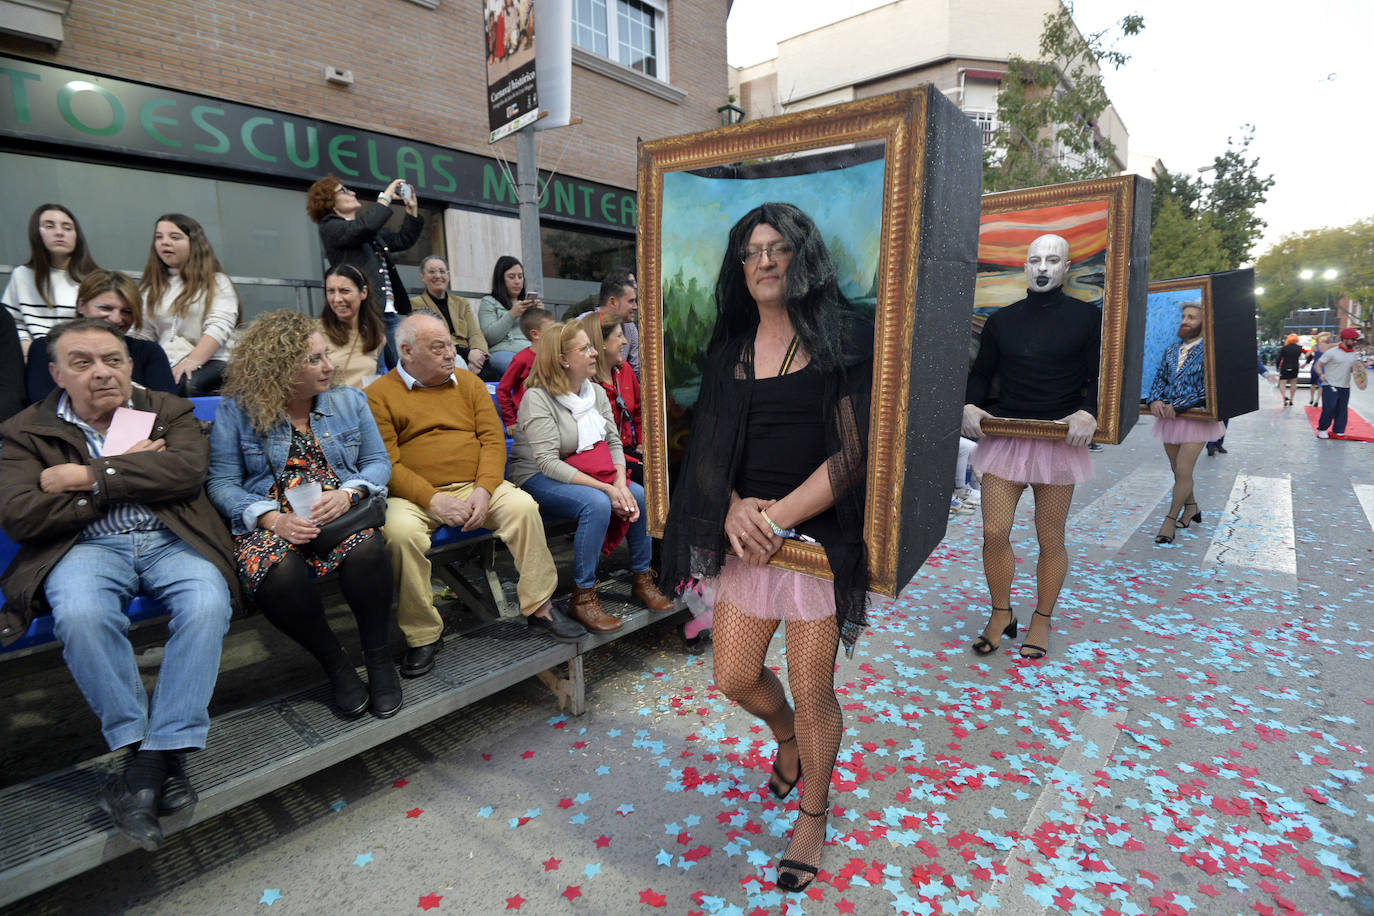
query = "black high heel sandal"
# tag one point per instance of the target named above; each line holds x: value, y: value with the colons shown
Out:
x: 1163, y: 538
x: 781, y: 779
x: 981, y: 646
x: 1184, y: 519
x: 1036, y: 651
x: 790, y: 882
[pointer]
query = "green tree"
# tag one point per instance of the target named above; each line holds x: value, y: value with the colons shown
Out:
x: 1235, y: 193
x: 1047, y: 109
x: 1181, y: 246
x: 1349, y: 250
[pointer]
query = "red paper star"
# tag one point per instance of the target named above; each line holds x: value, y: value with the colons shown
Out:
x: 565, y: 803
x: 430, y: 902
x: 551, y: 864
x: 415, y: 812
x: 844, y: 906
x: 486, y: 756
x: 573, y: 892
x: 603, y: 841
x: 515, y: 903
x: 653, y: 899
x: 400, y: 784
x: 527, y: 755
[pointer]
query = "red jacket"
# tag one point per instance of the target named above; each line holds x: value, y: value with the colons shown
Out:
x: 512, y: 386
x: 625, y: 404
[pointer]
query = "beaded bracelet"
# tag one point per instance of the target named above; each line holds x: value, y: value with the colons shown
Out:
x: 777, y: 529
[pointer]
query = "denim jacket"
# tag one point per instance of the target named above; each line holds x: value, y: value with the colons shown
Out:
x: 244, y: 464
x: 1185, y: 387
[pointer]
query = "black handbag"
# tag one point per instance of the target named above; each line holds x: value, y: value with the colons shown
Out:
x: 370, y: 512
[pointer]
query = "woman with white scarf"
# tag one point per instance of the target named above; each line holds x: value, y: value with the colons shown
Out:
x: 567, y: 455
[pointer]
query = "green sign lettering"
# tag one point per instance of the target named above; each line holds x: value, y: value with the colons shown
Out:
x: 312, y: 141
x: 20, y: 92
x: 198, y: 114
x: 246, y: 135
x: 64, y: 106
x: 337, y: 155
x: 149, y: 121
x: 494, y: 188
x: 563, y: 198
x: 372, y: 160
x: 629, y: 213
x: 437, y: 163
x: 607, y: 211
x: 408, y: 157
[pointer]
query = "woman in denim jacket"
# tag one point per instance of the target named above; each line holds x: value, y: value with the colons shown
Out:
x: 281, y: 425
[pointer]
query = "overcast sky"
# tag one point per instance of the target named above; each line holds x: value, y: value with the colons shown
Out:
x: 1200, y: 70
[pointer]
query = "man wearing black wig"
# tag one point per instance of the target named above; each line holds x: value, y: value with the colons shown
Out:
x: 764, y: 464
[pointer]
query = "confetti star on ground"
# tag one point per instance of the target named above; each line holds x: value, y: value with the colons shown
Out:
x: 527, y: 755
x: 400, y: 784
x: 415, y: 812
x: 515, y: 903
x: 337, y: 806
x: 362, y: 859
x: 430, y: 901
x: 270, y: 896
x: 582, y: 798
x: 572, y: 892
x: 603, y: 841
x: 592, y: 870
x: 551, y: 864
x: 650, y: 897
x: 664, y: 857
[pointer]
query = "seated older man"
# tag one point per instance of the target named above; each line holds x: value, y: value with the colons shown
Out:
x: 105, y: 509
x: 448, y: 461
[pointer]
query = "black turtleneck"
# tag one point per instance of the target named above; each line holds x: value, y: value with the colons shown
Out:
x: 441, y: 306
x: 1044, y: 351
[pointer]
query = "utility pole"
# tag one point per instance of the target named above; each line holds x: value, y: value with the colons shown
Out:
x: 527, y: 192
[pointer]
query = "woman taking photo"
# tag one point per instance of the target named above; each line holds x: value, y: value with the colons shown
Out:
x: 499, y: 313
x: 620, y: 383
x: 110, y: 295
x: 190, y: 307
x: 567, y: 455
x: 280, y: 426
x: 42, y: 291
x: 779, y: 449
x: 352, y: 325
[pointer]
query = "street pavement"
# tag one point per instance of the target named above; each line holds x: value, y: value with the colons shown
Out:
x: 1195, y: 742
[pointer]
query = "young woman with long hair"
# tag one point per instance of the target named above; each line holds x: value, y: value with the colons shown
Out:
x: 42, y: 291
x: 499, y: 312
x: 352, y: 325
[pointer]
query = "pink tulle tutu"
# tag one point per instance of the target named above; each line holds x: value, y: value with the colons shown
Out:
x: 1019, y: 460
x: 774, y: 593
x: 1182, y: 430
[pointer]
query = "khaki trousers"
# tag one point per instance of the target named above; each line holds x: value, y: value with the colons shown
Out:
x: 513, y: 515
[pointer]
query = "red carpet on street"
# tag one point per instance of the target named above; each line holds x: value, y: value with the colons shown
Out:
x: 1356, y: 428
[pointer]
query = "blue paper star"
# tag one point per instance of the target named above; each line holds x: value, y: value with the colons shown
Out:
x: 270, y: 896
x: 592, y: 870
x: 485, y: 811
x: 582, y: 798
x: 337, y: 806
x: 579, y: 819
x: 363, y: 859
x: 664, y: 857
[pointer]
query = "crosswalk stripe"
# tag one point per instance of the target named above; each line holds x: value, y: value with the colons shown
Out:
x: 1106, y: 523
x: 1365, y: 493
x: 1256, y: 528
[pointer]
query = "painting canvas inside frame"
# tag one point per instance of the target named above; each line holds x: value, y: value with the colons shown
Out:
x: 1162, y: 313
x: 1101, y: 221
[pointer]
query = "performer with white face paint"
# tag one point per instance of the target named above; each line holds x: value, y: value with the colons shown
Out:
x: 1043, y: 351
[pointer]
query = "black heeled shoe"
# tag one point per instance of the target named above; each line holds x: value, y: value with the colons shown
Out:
x: 1036, y: 651
x: 790, y: 882
x: 781, y: 779
x: 1163, y: 538
x: 981, y: 646
x: 351, y: 697
x: 1184, y: 519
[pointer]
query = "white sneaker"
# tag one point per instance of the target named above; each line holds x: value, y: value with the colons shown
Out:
x: 973, y: 497
x: 1323, y: 434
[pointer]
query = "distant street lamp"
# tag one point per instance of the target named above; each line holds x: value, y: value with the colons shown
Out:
x: 1328, y: 275
x: 1259, y: 290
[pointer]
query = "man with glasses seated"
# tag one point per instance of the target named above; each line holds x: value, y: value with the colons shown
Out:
x: 457, y: 312
x: 448, y: 461
x: 104, y: 510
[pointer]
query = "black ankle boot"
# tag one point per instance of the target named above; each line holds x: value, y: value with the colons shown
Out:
x: 350, y: 693
x: 383, y: 683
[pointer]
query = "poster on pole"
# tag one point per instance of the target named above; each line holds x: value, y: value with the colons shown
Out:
x: 512, y: 99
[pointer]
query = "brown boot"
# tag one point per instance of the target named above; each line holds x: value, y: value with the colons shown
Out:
x: 586, y: 610
x: 647, y: 593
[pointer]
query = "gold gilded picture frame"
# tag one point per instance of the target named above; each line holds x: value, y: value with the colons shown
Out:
x: 901, y: 125
x: 1119, y: 261
x: 1193, y: 288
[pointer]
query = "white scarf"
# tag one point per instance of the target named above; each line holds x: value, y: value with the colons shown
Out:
x: 591, y: 425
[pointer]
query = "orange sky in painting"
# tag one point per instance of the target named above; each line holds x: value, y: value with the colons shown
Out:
x: 1003, y: 237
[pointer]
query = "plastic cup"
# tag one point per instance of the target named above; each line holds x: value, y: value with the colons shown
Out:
x: 303, y: 496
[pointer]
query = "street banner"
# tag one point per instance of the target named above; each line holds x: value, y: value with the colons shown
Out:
x: 512, y: 99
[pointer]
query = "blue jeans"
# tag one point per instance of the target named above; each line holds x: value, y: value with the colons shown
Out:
x: 88, y: 590
x: 389, y: 355
x: 1335, y: 407
x: 500, y: 360
x: 592, y: 509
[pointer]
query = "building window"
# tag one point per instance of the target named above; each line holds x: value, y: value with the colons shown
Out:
x: 629, y: 32
x: 987, y: 123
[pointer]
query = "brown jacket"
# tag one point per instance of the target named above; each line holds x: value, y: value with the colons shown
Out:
x: 170, y: 483
x: 463, y: 327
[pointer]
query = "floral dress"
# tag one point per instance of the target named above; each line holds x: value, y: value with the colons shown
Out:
x: 261, y: 550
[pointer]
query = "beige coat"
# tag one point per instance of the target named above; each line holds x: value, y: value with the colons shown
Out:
x: 467, y: 334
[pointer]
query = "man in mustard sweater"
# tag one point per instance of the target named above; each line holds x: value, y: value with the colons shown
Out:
x: 448, y: 461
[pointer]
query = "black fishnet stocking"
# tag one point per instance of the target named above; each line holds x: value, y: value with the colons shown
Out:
x: 811, y: 647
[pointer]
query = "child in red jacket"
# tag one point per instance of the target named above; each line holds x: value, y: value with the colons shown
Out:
x: 512, y: 386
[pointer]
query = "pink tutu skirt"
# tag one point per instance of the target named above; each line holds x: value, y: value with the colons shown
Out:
x: 1019, y: 460
x: 1182, y: 430
x: 774, y: 593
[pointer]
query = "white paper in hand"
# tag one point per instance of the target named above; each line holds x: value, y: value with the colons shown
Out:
x: 127, y: 427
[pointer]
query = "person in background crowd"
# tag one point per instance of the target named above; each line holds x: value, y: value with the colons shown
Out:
x: 1334, y: 369
x: 620, y: 297
x: 190, y: 306
x: 1320, y: 345
x: 42, y: 291
x: 110, y: 295
x: 1044, y: 350
x: 95, y: 529
x: 621, y: 386
x: 512, y: 386
x: 1287, y: 362
x: 448, y: 461
x: 353, y: 234
x: 457, y: 312
x: 282, y: 424
x: 499, y: 312
x: 1180, y: 384
x: 352, y: 326
x: 12, y: 398
x: 567, y: 456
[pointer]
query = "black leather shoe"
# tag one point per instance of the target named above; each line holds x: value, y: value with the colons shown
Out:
x: 419, y: 660
x: 134, y: 813
x: 558, y: 625
x: 177, y: 793
x: 382, y: 682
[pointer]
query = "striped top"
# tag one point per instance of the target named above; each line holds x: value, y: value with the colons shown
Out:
x: 120, y: 518
x: 32, y: 316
